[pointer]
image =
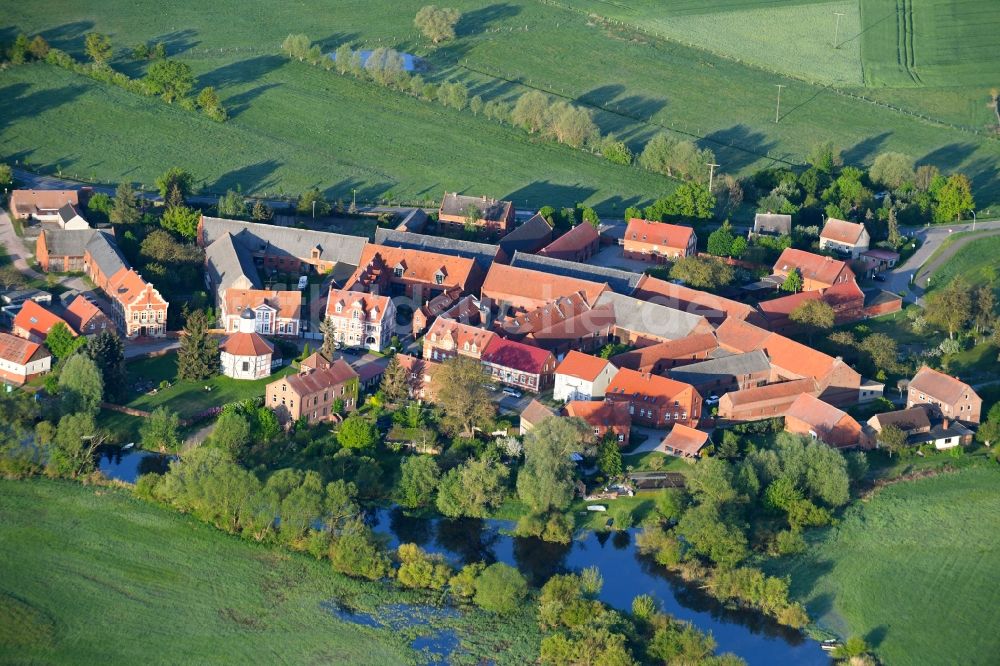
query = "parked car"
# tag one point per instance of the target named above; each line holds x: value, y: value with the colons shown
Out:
x: 712, y: 399
x: 514, y: 393
x: 303, y: 282
x: 878, y: 277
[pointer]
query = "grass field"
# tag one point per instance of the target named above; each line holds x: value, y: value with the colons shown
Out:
x: 911, y: 570
x: 930, y: 42
x: 95, y: 576
x: 190, y: 398
x: 294, y: 126
x: 976, y: 263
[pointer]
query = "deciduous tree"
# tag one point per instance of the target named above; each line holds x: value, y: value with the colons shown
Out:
x: 170, y: 79
x: 950, y: 307
x: 437, y: 23
x: 546, y: 481
x: 892, y: 170
x: 954, y: 199
x: 312, y: 202
x: 97, y: 47
x: 80, y: 385
x: 891, y: 438
x: 357, y: 432
x: 473, y: 489
x: 175, y: 177
x: 793, y: 281
x: 702, y: 272
x: 61, y: 341
x: 419, y: 479
x: 531, y: 111
x: 813, y: 315
x: 500, y: 588
x: 160, y: 431
x: 462, y: 396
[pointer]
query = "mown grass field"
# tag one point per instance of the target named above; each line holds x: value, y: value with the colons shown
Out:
x: 190, y: 398
x: 976, y: 262
x: 294, y: 126
x: 911, y: 570
x: 95, y: 576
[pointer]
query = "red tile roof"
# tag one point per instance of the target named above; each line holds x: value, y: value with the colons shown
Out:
x: 80, y: 312
x: 535, y: 412
x: 515, y: 285
x: 812, y: 266
x: 36, y: 320
x: 821, y: 416
x: 583, y: 366
x: 287, y: 303
x: 18, y: 350
x: 770, y: 392
x: 661, y: 389
x: 457, y: 335
x: 841, y: 231
x: 783, y: 306
x: 684, y: 439
x: 647, y: 357
x: 575, y: 240
x: 32, y: 202
x: 712, y: 307
x: 417, y: 265
x: 373, y: 307
x: 600, y: 413
x: 784, y: 353
x: 307, y: 383
x: 940, y: 386
x: 658, y: 233
x: 246, y: 344
x: 844, y: 293
x: 516, y: 356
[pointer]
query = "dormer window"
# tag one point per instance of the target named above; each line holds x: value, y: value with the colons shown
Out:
x: 398, y: 271
x: 439, y: 277
x: 357, y: 314
x: 340, y: 308
x: 374, y: 313
x: 466, y: 346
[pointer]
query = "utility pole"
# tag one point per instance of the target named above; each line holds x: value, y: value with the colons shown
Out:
x: 314, y: 209
x: 836, y: 30
x: 711, y: 175
x: 777, y: 109
x: 971, y: 210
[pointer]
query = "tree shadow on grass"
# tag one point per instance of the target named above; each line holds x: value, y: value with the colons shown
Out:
x: 68, y: 37
x: 177, y: 42
x: 333, y: 40
x: 364, y: 191
x: 478, y: 20
x: 16, y: 102
x: 614, y: 207
x: 252, y: 178
x: 866, y: 149
x: 240, y: 102
x: 737, y: 147
x: 243, y: 71
x: 542, y: 192
x: 950, y: 156
x: 876, y: 636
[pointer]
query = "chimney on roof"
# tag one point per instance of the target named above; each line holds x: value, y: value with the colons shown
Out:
x: 944, y: 423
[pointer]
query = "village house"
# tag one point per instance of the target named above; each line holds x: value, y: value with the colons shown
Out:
x: 693, y: 301
x: 484, y: 254
x: 519, y: 365
x: 533, y: 414
x: 22, y: 360
x: 818, y: 272
x: 85, y: 317
x: 529, y: 237
x: 420, y: 376
x: 655, y: 401
x: 274, y: 312
x: 138, y: 309
x: 810, y: 416
x: 763, y: 402
x: 567, y: 323
x: 359, y: 319
x: 618, y: 280
x: 33, y: 322
x: 514, y: 290
x: 949, y: 397
x: 391, y: 271
x: 683, y: 441
x: 490, y: 216
x: 718, y: 376
x: 314, y: 391
x: 658, y: 241
x: 845, y: 298
x: 922, y: 425
x: 641, y: 323
x: 878, y: 260
x: 847, y: 238
x: 603, y: 417
x: 578, y: 244
x: 244, y: 354
x: 467, y: 310
x: 435, y: 307
x: 69, y: 219
x: 43, y: 205
x: 62, y: 251
x: 582, y: 377
x: 448, y: 338
x: 661, y: 357
x: 771, y: 224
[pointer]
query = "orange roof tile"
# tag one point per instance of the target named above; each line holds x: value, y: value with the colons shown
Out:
x: 823, y: 416
x: 812, y: 266
x: 246, y: 344
x: 687, y: 440
x: 312, y: 381
x: 18, y: 350
x: 770, y: 392
x: 287, y: 303
x: 647, y: 357
x: 36, y: 320
x: 80, y: 312
x: 842, y: 231
x: 576, y: 239
x: 417, y: 265
x: 658, y: 233
x: 600, y: 412
x: 448, y: 333
x: 584, y: 366
x: 712, y: 307
x: 373, y: 307
x: 943, y: 387
x: 129, y: 288
x: 660, y: 389
x: 507, y: 284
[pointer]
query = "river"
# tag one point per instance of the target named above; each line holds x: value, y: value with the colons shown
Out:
x: 626, y: 573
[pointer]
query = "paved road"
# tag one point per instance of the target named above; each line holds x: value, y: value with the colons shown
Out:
x: 15, y: 248
x: 931, y: 238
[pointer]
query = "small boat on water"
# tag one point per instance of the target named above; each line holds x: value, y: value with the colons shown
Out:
x: 128, y: 446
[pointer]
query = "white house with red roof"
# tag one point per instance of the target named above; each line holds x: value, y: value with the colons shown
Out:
x: 519, y: 365
x: 848, y: 238
x: 21, y: 360
x: 360, y: 319
x: 244, y: 354
x: 582, y: 377
x: 276, y: 312
x: 658, y: 241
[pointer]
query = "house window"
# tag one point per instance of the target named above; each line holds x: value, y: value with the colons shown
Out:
x: 398, y: 271
x: 438, y: 278
x: 339, y: 308
x: 246, y: 366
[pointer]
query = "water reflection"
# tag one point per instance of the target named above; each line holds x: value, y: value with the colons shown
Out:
x: 626, y: 574
x: 128, y: 465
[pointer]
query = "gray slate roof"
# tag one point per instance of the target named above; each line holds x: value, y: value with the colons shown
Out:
x: 644, y: 317
x: 226, y: 264
x: 482, y: 253
x: 773, y: 223
x: 414, y: 221
x: 67, y: 243
x: 735, y: 365
x: 256, y: 237
x: 530, y: 237
x: 490, y: 209
x: 623, y: 282
x: 105, y: 253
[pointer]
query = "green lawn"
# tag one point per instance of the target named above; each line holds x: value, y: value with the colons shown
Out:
x: 191, y: 398
x: 911, y: 570
x: 976, y: 263
x: 295, y: 126
x: 92, y: 575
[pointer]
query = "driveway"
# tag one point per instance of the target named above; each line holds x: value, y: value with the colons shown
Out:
x: 15, y: 248
x: 612, y: 256
x: 653, y: 439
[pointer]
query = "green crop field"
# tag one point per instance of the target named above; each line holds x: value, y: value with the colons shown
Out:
x: 976, y: 262
x: 912, y: 571
x: 92, y: 575
x: 296, y: 126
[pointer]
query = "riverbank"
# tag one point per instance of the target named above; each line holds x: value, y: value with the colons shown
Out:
x: 90, y: 574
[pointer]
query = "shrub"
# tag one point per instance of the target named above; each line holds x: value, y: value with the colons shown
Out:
x: 421, y: 570
x: 500, y: 588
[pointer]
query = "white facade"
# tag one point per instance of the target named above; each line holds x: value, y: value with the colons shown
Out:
x: 17, y: 372
x: 569, y: 387
x: 266, y: 322
x: 354, y: 327
x: 245, y: 367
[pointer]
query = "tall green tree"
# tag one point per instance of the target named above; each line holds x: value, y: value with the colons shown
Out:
x: 531, y: 111
x: 198, y: 357
x: 954, y: 199
x: 161, y: 430
x: 97, y: 47
x: 232, y: 433
x: 418, y: 481
x: 232, y: 205
x: 437, y: 23
x: 71, y: 452
x: 892, y: 170
x: 80, y: 385
x: 473, y: 489
x: 395, y: 381
x: 546, y: 481
x: 170, y: 79
x: 950, y: 307
x: 126, y: 205
x: 703, y: 272
x: 61, y: 341
x: 500, y: 588
x: 609, y: 458
x: 814, y: 316
x: 312, y: 202
x: 892, y: 439
x: 720, y: 241
x: 793, y: 281
x: 688, y: 201
x: 357, y: 432
x: 462, y: 396
x: 175, y: 177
